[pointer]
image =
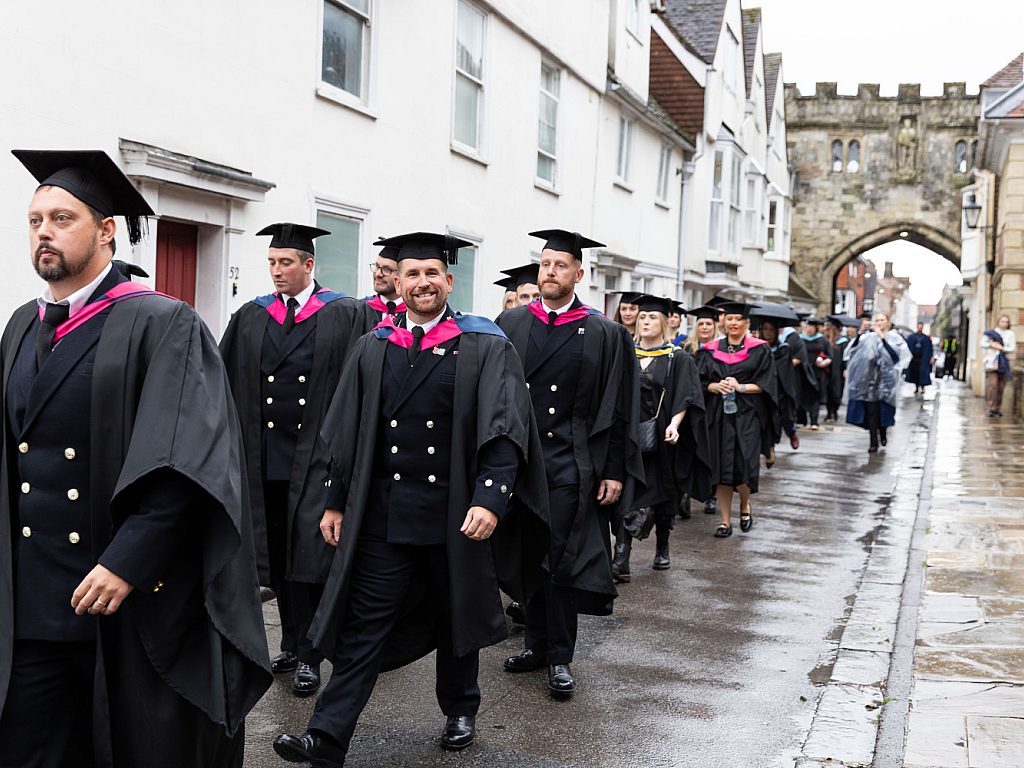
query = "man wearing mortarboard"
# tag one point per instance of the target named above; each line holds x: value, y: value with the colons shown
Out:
x: 437, y: 500
x: 130, y: 626
x: 384, y: 270
x: 284, y: 353
x: 582, y: 375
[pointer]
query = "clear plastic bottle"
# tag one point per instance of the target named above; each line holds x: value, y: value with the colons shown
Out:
x: 729, y: 403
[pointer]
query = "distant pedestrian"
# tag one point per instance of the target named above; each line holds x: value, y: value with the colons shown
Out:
x: 999, y: 345
x: 950, y: 348
x: 874, y: 361
x: 922, y: 356
x: 819, y: 356
x: 788, y: 377
x: 626, y: 312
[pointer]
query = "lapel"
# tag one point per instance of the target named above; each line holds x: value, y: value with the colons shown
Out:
x: 557, y: 338
x: 285, y: 345
x: 426, y: 362
x: 518, y: 331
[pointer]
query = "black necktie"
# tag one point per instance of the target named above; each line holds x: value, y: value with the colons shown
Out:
x: 391, y: 307
x: 552, y: 316
x: 54, y: 315
x: 414, y: 348
x: 289, y: 317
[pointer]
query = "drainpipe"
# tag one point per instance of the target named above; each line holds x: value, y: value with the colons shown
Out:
x: 685, y: 172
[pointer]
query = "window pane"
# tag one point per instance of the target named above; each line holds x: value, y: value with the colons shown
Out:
x: 837, y: 156
x: 547, y: 129
x: 716, y: 186
x: 550, y: 79
x: 469, y: 54
x: 713, y: 227
x: 337, y: 254
x: 625, y: 147
x: 853, y: 157
x: 362, y: 5
x: 461, y: 298
x: 343, y: 49
x: 961, y: 157
x: 545, y: 168
x: 734, y: 187
x: 467, y: 104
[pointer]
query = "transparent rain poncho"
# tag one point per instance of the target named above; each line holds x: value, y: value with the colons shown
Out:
x: 871, y: 373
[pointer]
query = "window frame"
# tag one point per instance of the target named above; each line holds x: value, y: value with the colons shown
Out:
x: 476, y: 243
x: 961, y: 151
x: 717, y: 204
x: 729, y: 60
x: 634, y: 13
x: 557, y: 98
x: 734, y: 233
x: 664, y: 174
x: 364, y: 100
x: 360, y: 215
x: 625, y: 158
x: 772, y: 231
x: 751, y: 209
x: 480, y: 82
x: 836, y: 164
x: 848, y: 156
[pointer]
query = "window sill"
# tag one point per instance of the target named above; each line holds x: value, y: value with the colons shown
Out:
x: 342, y: 98
x: 663, y: 205
x: 543, y: 186
x: 622, y: 184
x: 469, y: 154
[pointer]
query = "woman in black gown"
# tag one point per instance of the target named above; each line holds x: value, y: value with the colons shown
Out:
x: 678, y: 462
x: 738, y: 376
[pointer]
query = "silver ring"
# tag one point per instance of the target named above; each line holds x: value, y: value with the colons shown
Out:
x: 100, y: 602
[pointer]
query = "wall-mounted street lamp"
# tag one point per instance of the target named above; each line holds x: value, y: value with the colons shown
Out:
x: 972, y: 211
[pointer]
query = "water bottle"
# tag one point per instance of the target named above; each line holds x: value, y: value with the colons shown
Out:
x: 729, y: 403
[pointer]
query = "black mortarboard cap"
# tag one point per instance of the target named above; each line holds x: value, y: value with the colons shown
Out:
x: 677, y: 307
x: 629, y: 297
x: 812, y: 320
x: 734, y: 308
x: 567, y: 242
x: 522, y: 275
x: 426, y: 245
x: 388, y: 251
x: 92, y: 177
x: 297, y: 236
x: 802, y: 314
x: 710, y: 313
x: 508, y: 283
x: 648, y: 303
x: 864, y: 316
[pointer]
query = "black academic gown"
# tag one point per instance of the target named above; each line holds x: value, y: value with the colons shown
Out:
x: 788, y: 378
x: 185, y: 658
x: 337, y: 326
x: 738, y: 440
x: 685, y: 468
x: 815, y: 387
x: 605, y: 412
x: 491, y: 402
x: 919, y: 372
x: 836, y: 378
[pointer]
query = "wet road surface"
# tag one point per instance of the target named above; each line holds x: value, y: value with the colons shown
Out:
x: 716, y: 662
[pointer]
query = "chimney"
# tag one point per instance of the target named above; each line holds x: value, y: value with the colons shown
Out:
x: 888, y: 270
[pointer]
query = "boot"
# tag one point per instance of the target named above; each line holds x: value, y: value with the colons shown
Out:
x: 661, y: 559
x: 684, y: 507
x: 620, y: 563
x: 711, y: 506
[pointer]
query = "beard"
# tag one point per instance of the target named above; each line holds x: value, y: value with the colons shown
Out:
x: 552, y: 291
x: 59, y: 270
x: 427, y: 305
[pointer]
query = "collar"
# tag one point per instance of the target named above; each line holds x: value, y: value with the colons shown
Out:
x: 429, y: 325
x: 549, y: 310
x: 302, y: 296
x: 77, y: 300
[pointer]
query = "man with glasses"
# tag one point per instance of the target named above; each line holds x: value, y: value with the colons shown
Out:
x: 284, y: 353
x: 384, y: 271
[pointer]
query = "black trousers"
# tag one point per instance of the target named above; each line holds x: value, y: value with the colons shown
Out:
x: 381, y: 576
x: 296, y: 601
x: 47, y: 718
x: 873, y: 417
x: 551, y: 615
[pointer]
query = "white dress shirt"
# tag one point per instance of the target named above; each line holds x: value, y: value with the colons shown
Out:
x: 77, y: 300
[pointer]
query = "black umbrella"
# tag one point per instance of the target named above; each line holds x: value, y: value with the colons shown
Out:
x: 767, y: 310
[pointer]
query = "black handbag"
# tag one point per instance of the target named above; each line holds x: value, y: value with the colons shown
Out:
x: 647, y: 430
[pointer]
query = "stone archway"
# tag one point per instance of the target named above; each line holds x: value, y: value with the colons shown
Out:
x: 915, y: 232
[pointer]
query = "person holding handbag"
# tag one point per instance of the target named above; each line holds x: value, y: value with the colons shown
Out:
x: 672, y: 436
x: 738, y: 375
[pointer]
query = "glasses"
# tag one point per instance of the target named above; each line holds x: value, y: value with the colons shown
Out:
x: 386, y: 271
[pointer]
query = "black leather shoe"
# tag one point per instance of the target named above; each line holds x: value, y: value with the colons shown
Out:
x: 561, y: 683
x: 527, y: 661
x: 284, y: 662
x: 312, y: 748
x: 306, y: 680
x: 459, y: 732
x: 266, y: 594
x: 516, y: 613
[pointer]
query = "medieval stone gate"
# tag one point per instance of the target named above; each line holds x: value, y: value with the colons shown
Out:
x: 871, y: 169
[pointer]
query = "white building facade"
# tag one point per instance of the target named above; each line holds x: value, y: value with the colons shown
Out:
x: 483, y: 119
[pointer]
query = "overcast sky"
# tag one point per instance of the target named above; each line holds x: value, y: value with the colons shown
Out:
x: 892, y: 41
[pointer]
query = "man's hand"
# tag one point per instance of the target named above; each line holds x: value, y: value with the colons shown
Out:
x: 480, y: 523
x: 609, y: 492
x: 101, y: 591
x: 330, y: 526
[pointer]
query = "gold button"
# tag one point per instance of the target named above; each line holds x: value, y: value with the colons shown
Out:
x: 302, y: 401
x: 158, y: 585
x: 23, y: 447
x: 430, y: 450
x: 488, y: 482
x: 69, y: 453
x: 25, y: 487
x: 73, y: 494
x: 270, y: 425
x: 270, y: 379
x: 431, y: 478
x: 270, y: 400
x: 430, y: 425
x: 554, y: 387
x: 394, y: 449
x: 551, y: 411
x: 551, y: 434
x: 397, y: 477
x: 302, y: 379
x: 394, y: 423
x: 26, y: 531
x: 74, y: 538
x: 527, y: 385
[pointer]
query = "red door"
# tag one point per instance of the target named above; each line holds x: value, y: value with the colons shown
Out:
x: 176, y: 260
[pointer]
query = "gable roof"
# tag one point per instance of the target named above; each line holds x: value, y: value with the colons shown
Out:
x: 772, y: 68
x: 674, y: 88
x: 1008, y: 76
x: 698, y: 23
x: 751, y: 26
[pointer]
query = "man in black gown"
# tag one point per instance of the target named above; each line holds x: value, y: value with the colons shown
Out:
x: 437, y: 498
x: 582, y: 375
x: 130, y: 627
x: 384, y: 269
x: 284, y: 353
